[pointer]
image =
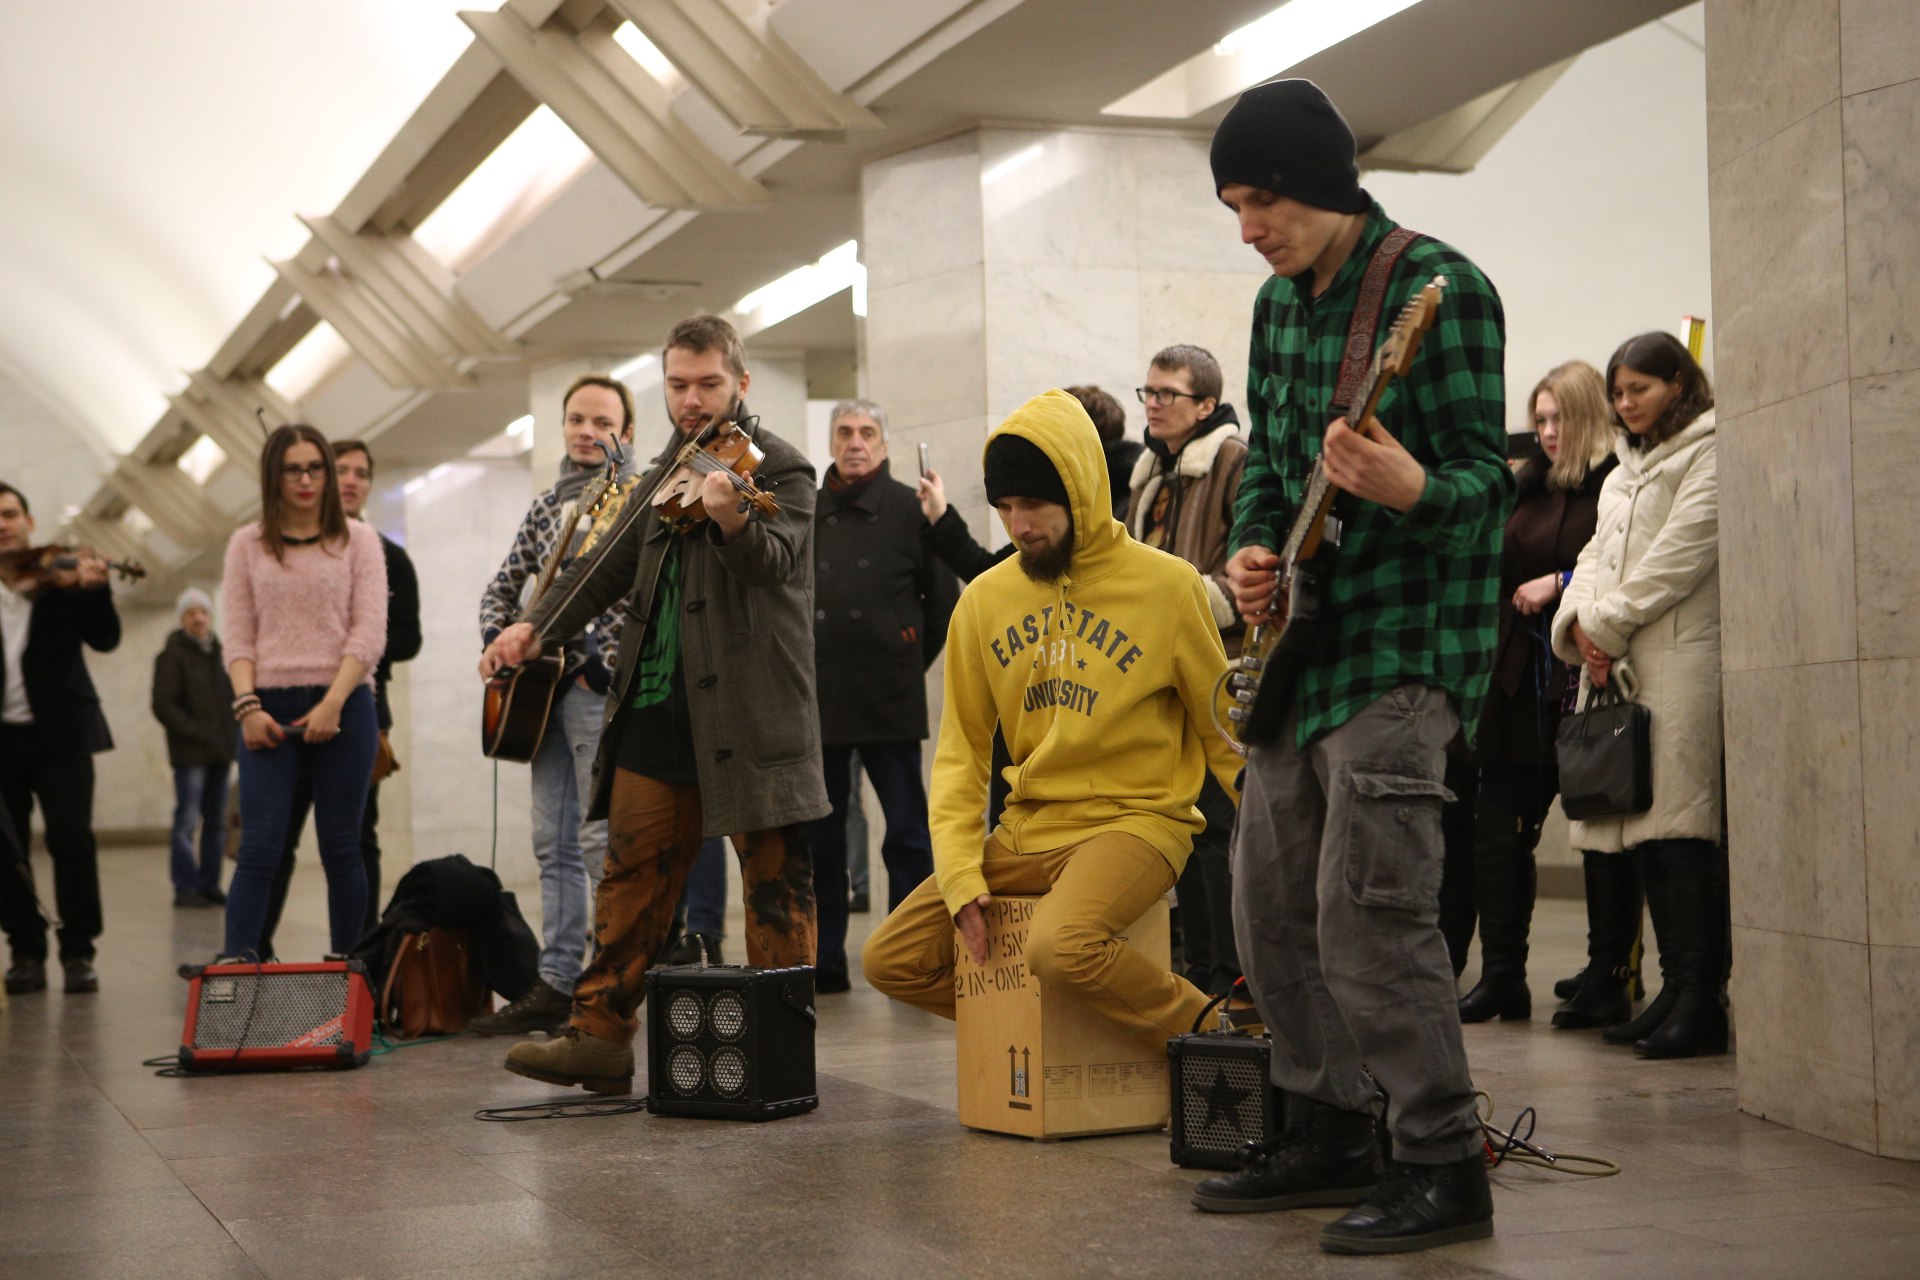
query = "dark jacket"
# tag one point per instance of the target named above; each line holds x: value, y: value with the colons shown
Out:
x: 66, y: 709
x: 881, y: 604
x: 403, y: 623
x: 951, y: 540
x: 746, y: 646
x: 1120, y: 454
x: 1543, y: 535
x: 453, y: 893
x: 193, y: 698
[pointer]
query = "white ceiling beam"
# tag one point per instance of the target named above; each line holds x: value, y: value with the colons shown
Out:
x: 760, y: 84
x: 1456, y: 140
x: 617, y: 109
x: 401, y: 358
x: 416, y: 288
x: 166, y: 493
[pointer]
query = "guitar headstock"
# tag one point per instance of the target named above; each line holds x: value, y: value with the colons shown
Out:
x: 1403, y: 340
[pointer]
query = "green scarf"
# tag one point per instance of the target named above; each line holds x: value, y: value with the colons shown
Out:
x: 660, y: 654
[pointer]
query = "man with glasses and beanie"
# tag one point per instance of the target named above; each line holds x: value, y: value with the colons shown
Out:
x: 1183, y: 488
x: 1337, y: 856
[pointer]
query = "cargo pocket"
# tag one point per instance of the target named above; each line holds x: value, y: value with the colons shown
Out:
x: 1393, y: 841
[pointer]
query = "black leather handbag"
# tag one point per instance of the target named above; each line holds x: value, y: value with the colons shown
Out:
x: 1605, y: 750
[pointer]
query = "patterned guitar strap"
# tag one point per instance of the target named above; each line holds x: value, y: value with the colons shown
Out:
x: 1358, y: 357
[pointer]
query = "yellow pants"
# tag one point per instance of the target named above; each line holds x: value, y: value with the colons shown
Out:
x: 1088, y: 893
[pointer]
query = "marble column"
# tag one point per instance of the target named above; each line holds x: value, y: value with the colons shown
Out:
x: 1813, y: 121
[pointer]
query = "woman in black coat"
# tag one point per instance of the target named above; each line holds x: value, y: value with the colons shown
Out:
x: 1552, y: 519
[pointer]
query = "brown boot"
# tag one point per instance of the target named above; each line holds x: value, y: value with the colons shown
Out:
x: 575, y: 1058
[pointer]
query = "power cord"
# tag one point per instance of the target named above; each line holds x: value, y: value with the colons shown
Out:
x: 564, y: 1109
x: 1519, y: 1147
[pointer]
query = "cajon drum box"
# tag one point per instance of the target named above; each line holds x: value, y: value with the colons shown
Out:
x: 1037, y: 1063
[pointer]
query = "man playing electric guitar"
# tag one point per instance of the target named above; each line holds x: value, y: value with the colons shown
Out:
x: 1337, y: 859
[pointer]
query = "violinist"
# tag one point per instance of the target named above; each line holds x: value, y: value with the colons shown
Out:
x: 50, y: 728
x: 712, y: 724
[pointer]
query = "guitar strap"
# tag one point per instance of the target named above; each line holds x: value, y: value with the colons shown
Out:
x: 1366, y: 317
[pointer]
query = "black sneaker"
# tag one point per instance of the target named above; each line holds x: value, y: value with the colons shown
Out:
x: 81, y: 978
x: 827, y: 982
x: 216, y: 897
x: 26, y: 975
x: 541, y: 1009
x: 1419, y: 1206
x: 1331, y: 1159
x: 190, y: 898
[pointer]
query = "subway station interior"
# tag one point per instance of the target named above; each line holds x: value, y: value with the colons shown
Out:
x: 417, y: 226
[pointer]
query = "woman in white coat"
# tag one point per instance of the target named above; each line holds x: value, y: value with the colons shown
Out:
x: 1643, y: 612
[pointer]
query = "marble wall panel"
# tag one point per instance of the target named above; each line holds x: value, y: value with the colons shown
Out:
x: 1890, y: 761
x: 1803, y: 1006
x: 1786, y: 515
x: 1769, y: 63
x: 920, y: 212
x: 1886, y: 445
x: 925, y: 353
x: 1879, y: 44
x: 1794, y: 805
x: 1061, y: 326
x: 1779, y: 253
x: 1212, y: 309
x: 1183, y: 225
x: 1896, y: 1049
x: 1882, y: 132
x: 1061, y: 198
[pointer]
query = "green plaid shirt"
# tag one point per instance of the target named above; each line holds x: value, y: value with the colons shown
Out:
x: 1411, y: 598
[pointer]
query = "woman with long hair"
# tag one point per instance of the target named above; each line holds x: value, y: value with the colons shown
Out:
x: 1552, y: 520
x: 1643, y: 614
x: 305, y: 593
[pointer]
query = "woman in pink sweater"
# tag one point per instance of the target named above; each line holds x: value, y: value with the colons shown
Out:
x: 305, y: 592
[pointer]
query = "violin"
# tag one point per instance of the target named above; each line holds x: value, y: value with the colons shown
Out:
x: 722, y: 448
x: 44, y: 565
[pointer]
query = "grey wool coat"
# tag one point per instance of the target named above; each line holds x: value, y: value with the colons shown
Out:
x: 746, y: 647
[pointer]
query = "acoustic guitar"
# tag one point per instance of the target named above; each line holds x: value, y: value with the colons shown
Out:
x: 519, y: 700
x: 1255, y: 690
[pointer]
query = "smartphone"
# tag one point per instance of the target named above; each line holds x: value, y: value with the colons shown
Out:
x: 923, y: 458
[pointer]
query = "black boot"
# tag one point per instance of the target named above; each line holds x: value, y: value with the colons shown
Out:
x: 1504, y: 880
x: 1613, y: 914
x: 1698, y: 1023
x: 1325, y: 1156
x: 1653, y: 879
x: 1567, y: 988
x: 1419, y: 1206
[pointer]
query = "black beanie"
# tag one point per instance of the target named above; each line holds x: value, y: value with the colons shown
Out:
x: 1019, y: 468
x: 1287, y: 137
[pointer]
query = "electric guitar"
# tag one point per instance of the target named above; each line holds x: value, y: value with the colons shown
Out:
x: 1254, y: 692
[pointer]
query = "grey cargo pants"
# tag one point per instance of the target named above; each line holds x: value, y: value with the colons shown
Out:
x: 1336, y: 872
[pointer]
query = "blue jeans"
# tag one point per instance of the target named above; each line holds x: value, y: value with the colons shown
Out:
x: 704, y: 904
x: 199, y: 796
x: 571, y: 853
x: 907, y: 848
x: 340, y: 768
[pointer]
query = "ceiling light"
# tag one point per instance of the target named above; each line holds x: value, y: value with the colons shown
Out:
x: 202, y: 459
x: 648, y: 55
x: 520, y: 426
x: 532, y: 165
x: 312, y: 361
x: 800, y: 288
x: 1259, y: 51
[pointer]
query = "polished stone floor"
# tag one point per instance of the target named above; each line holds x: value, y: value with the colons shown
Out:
x: 109, y: 1171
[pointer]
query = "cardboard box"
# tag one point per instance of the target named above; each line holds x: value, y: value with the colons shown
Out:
x: 1036, y: 1062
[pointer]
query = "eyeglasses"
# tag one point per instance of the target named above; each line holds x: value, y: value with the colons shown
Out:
x: 1162, y: 395
x: 312, y: 470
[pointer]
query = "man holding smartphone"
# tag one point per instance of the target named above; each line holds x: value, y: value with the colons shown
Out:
x: 881, y: 603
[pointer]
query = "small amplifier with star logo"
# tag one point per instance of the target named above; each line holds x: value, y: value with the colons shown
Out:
x: 1223, y: 1097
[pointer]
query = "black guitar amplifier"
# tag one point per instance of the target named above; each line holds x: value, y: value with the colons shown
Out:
x: 1223, y: 1097
x: 729, y: 1042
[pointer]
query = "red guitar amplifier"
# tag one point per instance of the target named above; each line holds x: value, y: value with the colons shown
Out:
x: 271, y: 1017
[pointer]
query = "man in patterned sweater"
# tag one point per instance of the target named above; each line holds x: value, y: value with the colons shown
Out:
x: 1337, y: 856
x: 571, y: 852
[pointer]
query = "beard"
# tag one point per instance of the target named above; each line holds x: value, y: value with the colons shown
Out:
x: 1051, y: 562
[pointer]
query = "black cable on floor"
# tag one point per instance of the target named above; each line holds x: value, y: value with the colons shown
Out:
x: 564, y: 1109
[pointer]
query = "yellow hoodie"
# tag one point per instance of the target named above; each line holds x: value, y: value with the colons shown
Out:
x: 1101, y: 682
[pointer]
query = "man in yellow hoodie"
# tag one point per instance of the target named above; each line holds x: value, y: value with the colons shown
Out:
x: 1096, y: 656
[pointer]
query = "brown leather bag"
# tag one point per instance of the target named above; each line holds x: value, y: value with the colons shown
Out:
x: 430, y: 990
x: 385, y: 762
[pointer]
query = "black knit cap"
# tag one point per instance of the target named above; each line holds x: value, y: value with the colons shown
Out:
x: 1019, y: 468
x: 1287, y: 137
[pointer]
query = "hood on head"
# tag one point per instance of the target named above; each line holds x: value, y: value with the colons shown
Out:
x: 1056, y: 423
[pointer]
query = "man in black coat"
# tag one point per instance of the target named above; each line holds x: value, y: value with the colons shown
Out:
x: 50, y: 728
x: 881, y: 604
x: 193, y: 700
